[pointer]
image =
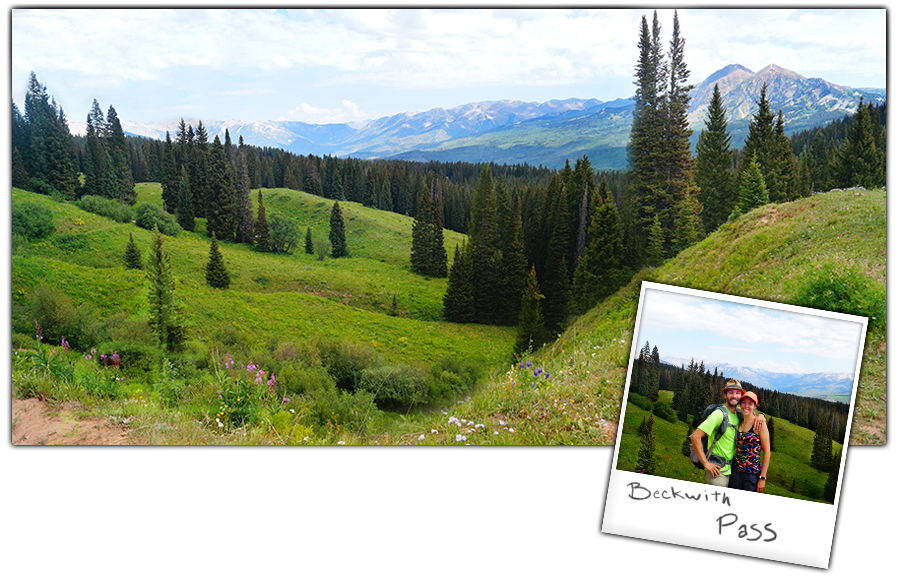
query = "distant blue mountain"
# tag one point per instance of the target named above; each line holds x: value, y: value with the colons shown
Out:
x: 548, y: 133
x: 823, y: 385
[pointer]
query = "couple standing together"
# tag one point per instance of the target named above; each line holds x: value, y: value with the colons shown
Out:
x: 744, y: 447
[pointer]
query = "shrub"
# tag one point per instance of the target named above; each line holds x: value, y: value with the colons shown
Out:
x: 662, y: 409
x: 848, y: 292
x: 56, y: 315
x: 640, y: 401
x: 284, y: 233
x: 31, y: 220
x: 300, y: 379
x: 42, y: 187
x: 450, y: 378
x: 346, y: 361
x: 332, y: 409
x: 134, y: 358
x: 396, y: 386
x: 104, y: 207
x: 147, y: 215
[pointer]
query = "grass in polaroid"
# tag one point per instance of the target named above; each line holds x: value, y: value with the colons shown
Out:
x: 799, y: 367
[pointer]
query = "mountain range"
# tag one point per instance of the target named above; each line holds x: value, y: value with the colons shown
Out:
x: 823, y: 385
x: 548, y: 133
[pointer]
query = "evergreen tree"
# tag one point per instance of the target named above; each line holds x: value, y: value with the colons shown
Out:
x: 718, y: 187
x: 599, y: 272
x: 221, y: 209
x: 184, y: 210
x: 93, y: 151
x: 216, y: 273
x: 261, y: 227
x: 164, y: 314
x: 308, y: 247
x: 132, y: 254
x: 459, y: 304
x: 859, y: 162
x: 243, y: 232
x: 771, y: 424
x: 437, y: 251
x: 688, y: 225
x: 753, y: 192
x: 422, y: 234
x: 646, y: 461
x: 821, y: 452
x: 171, y: 175
x: 119, y: 157
x: 199, y: 158
x: 530, y: 333
x: 513, y: 268
x: 336, y: 233
x: 834, y: 473
x: 655, y: 244
x: 686, y: 444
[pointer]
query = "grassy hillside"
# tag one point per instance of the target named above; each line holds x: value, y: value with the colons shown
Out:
x: 789, y: 473
x: 280, y: 306
x: 770, y: 253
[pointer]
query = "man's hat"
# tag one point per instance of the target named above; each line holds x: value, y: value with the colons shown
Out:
x: 750, y: 395
x: 732, y: 384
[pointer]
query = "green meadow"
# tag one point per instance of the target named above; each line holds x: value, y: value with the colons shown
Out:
x: 314, y: 323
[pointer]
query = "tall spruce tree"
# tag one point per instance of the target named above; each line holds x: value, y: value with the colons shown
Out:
x: 221, y: 209
x: 600, y: 272
x: 531, y: 333
x: 308, y: 245
x: 216, y: 273
x: 859, y: 162
x: 164, y: 314
x: 184, y: 210
x: 422, y: 233
x: 821, y: 450
x: 243, y: 232
x: 336, y: 233
x: 261, y: 227
x: 132, y: 254
x: 753, y: 192
x: 646, y: 461
x: 716, y: 180
x: 120, y: 158
x: 459, y: 304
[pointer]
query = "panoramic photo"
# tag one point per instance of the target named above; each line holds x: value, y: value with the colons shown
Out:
x: 431, y: 226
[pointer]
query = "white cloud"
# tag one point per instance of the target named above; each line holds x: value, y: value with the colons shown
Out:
x: 347, y: 112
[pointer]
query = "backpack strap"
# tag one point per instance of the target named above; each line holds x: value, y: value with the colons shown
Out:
x: 726, y: 423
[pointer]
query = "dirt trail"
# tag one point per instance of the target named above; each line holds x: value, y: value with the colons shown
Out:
x: 34, y: 422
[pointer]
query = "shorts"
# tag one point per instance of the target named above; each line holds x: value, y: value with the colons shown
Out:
x: 720, y: 480
x: 743, y: 480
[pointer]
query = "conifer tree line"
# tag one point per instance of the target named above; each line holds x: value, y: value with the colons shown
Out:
x: 694, y: 388
x: 583, y: 233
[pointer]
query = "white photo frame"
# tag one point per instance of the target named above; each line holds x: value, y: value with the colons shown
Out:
x: 690, y: 513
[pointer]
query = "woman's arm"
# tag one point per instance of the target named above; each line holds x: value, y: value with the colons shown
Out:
x: 764, y: 466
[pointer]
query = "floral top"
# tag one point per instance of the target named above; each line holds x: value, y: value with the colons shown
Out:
x: 749, y: 448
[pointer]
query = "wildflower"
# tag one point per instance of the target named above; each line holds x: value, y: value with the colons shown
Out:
x: 103, y: 359
x: 260, y: 376
x: 342, y: 443
x: 496, y: 433
x: 502, y: 422
x: 271, y: 382
x: 434, y: 431
x: 460, y: 438
x: 537, y: 372
x: 285, y: 400
x: 421, y: 437
x: 115, y: 359
x: 511, y: 430
x: 38, y: 334
x: 65, y: 344
x: 532, y: 384
x: 229, y: 363
x: 528, y: 364
x: 87, y: 356
x: 521, y: 365
x: 292, y: 410
x: 478, y: 425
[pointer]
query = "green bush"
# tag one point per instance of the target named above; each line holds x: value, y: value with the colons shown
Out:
x: 147, y: 215
x: 31, y: 220
x: 298, y: 378
x: 847, y: 292
x: 346, y: 361
x: 58, y: 317
x: 135, y: 358
x: 450, y: 378
x: 662, y: 409
x: 284, y: 233
x: 640, y: 401
x: 332, y: 409
x: 104, y: 207
x: 396, y: 386
x: 38, y: 185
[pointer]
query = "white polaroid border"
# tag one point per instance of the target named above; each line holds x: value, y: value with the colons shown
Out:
x: 702, y: 516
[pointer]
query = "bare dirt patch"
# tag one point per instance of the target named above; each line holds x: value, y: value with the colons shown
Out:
x: 35, y: 422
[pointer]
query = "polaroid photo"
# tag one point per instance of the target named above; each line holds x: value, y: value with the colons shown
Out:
x: 699, y: 358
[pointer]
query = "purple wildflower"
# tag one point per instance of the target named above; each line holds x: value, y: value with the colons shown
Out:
x: 528, y: 364
x: 65, y: 344
x: 271, y: 383
x: 38, y: 334
x: 285, y: 400
x: 115, y: 359
x: 104, y: 360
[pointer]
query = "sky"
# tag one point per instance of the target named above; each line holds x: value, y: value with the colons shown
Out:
x: 722, y: 331
x: 342, y: 65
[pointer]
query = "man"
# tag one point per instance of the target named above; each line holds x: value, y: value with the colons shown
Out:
x: 718, y: 474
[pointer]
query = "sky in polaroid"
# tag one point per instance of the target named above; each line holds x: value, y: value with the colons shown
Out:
x: 687, y: 323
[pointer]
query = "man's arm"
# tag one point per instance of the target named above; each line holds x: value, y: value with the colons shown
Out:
x: 697, y: 442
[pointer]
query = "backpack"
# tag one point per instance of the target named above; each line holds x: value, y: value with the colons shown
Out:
x: 711, y: 457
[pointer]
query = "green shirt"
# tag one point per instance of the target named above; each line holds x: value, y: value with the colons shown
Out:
x: 727, y: 444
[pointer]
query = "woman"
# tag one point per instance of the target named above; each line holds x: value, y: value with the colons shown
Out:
x: 751, y: 460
